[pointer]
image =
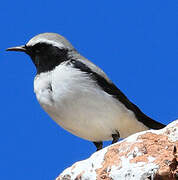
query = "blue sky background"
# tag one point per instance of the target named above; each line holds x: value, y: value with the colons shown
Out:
x: 134, y: 42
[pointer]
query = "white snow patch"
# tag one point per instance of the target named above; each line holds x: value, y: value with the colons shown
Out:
x: 150, y: 159
x: 86, y: 167
x: 131, y: 171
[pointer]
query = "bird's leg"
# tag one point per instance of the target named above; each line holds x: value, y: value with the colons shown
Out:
x: 99, y: 145
x: 115, y: 137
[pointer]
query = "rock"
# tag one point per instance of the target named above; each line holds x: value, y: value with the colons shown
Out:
x: 147, y: 155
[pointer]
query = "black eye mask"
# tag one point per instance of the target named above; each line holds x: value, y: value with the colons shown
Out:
x: 46, y: 56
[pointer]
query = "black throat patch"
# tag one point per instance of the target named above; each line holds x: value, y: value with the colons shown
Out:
x: 46, y: 57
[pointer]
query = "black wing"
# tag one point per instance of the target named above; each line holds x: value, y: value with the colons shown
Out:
x: 111, y: 89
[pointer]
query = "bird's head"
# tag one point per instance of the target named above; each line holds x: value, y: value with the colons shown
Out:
x: 47, y: 50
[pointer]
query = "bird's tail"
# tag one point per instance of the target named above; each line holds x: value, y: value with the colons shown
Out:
x: 149, y: 122
x: 155, y: 124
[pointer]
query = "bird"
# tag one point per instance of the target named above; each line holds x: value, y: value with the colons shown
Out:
x: 78, y: 95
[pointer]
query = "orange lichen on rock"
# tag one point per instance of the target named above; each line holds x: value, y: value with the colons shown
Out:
x: 148, y: 145
x: 152, y: 154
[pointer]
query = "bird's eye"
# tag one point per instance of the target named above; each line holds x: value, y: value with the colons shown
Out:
x: 37, y: 51
x: 39, y: 48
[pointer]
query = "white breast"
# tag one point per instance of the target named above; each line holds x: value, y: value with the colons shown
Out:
x: 78, y: 105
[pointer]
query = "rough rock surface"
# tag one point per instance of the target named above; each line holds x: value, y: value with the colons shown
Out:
x: 146, y: 155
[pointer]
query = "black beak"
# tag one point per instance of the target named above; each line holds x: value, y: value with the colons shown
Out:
x: 18, y: 48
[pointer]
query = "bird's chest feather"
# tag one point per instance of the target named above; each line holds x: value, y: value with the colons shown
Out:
x: 77, y: 104
x: 67, y: 92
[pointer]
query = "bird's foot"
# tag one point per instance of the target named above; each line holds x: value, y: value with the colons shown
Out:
x: 115, y: 137
x: 99, y: 145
